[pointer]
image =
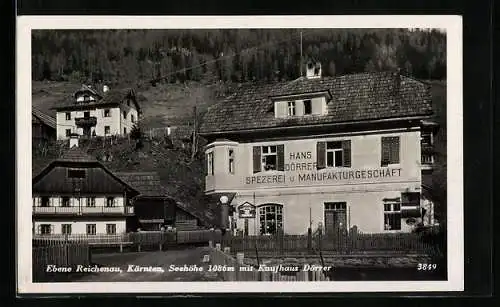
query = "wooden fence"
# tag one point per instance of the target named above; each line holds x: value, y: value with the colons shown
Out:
x: 338, y: 243
x: 60, y: 255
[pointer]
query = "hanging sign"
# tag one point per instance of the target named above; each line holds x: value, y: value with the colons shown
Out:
x: 246, y: 210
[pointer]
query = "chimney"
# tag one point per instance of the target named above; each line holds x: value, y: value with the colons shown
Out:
x: 105, y: 88
x: 313, y: 70
x: 73, y: 140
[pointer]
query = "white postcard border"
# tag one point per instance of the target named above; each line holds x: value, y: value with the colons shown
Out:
x: 449, y: 23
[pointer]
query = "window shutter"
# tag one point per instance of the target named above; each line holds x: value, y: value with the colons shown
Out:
x: 281, y: 108
x: 320, y: 155
x: 346, y: 147
x: 257, y: 163
x: 386, y: 155
x: 281, y: 157
x: 395, y: 150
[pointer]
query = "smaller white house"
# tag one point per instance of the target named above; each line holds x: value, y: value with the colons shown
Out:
x: 76, y: 194
x: 93, y: 112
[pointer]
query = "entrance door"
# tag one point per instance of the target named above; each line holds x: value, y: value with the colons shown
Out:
x: 335, y: 217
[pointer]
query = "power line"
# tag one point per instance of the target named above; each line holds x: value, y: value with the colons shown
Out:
x: 302, y: 33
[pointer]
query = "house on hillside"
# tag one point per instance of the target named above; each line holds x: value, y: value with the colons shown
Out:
x: 333, y: 152
x: 91, y: 112
x: 76, y: 194
x: 154, y: 208
x: 43, y: 126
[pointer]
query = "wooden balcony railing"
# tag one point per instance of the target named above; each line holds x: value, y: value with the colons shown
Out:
x: 83, y: 210
x: 86, y: 121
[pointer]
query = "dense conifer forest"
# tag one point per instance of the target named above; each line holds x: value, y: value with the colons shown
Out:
x: 239, y: 55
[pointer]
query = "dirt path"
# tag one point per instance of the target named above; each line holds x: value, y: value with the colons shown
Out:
x: 164, y: 259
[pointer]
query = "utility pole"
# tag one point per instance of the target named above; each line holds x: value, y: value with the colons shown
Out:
x: 301, y: 53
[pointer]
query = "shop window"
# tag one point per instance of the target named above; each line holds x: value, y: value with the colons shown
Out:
x: 392, y: 216
x: 268, y: 158
x: 270, y: 218
x: 333, y: 154
x: 390, y: 150
x: 66, y: 229
x: 91, y: 229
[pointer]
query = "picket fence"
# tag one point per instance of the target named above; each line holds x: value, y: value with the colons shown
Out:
x: 60, y: 255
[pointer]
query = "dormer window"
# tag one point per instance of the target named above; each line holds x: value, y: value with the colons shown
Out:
x: 307, y: 107
x: 291, y: 108
x: 86, y: 98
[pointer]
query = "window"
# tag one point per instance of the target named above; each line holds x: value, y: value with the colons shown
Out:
x: 65, y: 201
x: 124, y: 115
x: 90, y: 201
x: 91, y: 229
x: 210, y: 163
x: 110, y: 202
x: 76, y: 173
x: 45, y: 229
x: 86, y: 114
x: 426, y: 138
x: 231, y: 161
x: 86, y: 98
x: 106, y: 129
x: 392, y: 216
x: 107, y: 113
x: 68, y: 116
x: 124, y: 130
x: 270, y: 218
x: 333, y: 154
x: 66, y: 229
x: 268, y: 158
x: 390, y: 150
x: 110, y: 229
x: 132, y: 118
x: 291, y: 108
x: 307, y: 107
x: 45, y: 201
x: 335, y: 216
x: 68, y: 132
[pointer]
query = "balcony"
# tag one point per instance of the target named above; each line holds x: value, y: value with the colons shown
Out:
x: 86, y: 121
x: 82, y: 210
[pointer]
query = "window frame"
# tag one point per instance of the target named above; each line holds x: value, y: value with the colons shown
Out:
x: 64, y: 203
x: 45, y: 226
x: 291, y: 109
x: 107, y: 128
x: 68, y: 115
x: 64, y: 228
x: 132, y: 118
x: 269, y: 153
x: 309, y: 102
x: 113, y: 227
x: 390, y: 163
x: 334, y: 151
x: 231, y: 160
x: 110, y: 200
x: 90, y: 202
x: 42, y: 202
x: 210, y: 163
x: 92, y: 227
x: 68, y: 132
x: 391, y: 212
x: 107, y: 112
x: 278, y: 217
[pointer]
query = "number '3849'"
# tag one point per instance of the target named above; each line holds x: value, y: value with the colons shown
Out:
x: 426, y: 266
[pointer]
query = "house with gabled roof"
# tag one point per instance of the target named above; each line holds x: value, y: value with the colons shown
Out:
x: 332, y: 152
x: 76, y: 194
x: 91, y: 112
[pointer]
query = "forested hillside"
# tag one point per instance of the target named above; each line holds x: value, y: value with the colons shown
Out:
x: 134, y: 56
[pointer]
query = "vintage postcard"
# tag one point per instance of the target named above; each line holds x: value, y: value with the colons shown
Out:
x: 239, y: 154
